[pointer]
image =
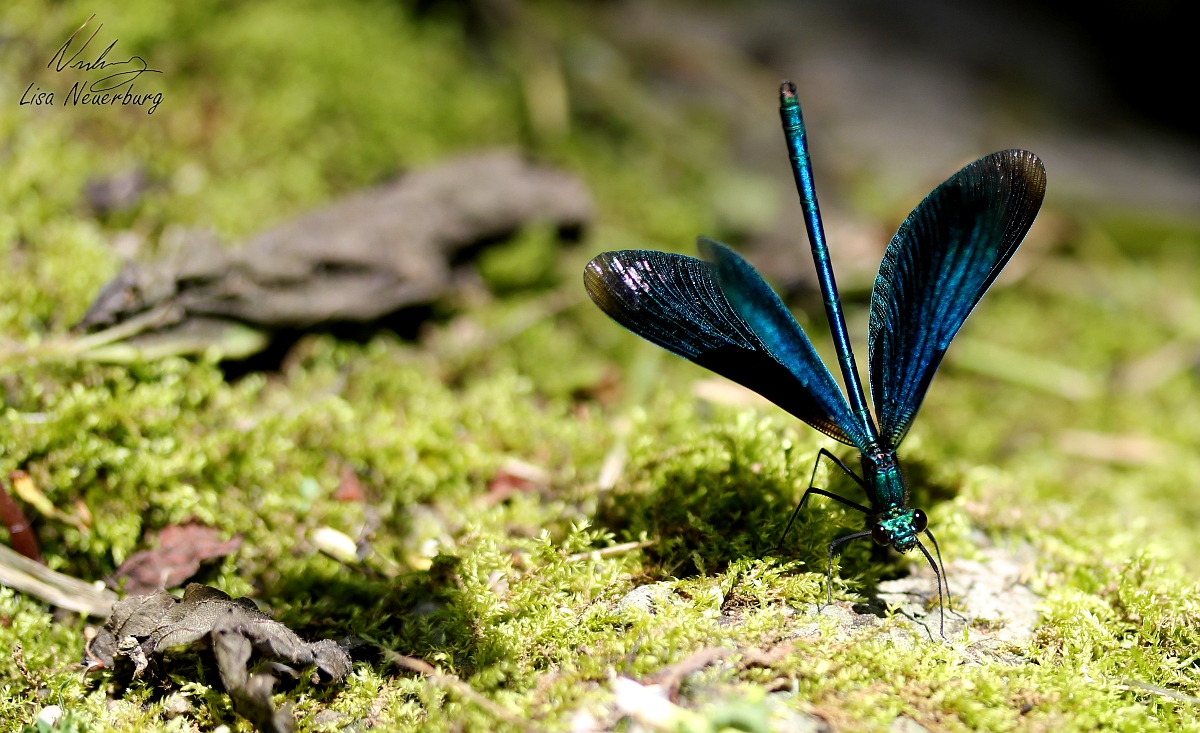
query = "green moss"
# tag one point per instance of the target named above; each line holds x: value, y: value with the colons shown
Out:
x: 271, y: 108
x: 527, y: 262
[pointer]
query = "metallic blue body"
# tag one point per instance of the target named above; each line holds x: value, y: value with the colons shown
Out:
x: 882, y: 478
x: 797, y: 142
x: 887, y: 487
x: 888, y: 493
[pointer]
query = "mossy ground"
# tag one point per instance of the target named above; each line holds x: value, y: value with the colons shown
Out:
x: 272, y: 107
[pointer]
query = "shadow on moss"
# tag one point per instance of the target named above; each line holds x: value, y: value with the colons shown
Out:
x: 727, y: 495
x: 422, y: 613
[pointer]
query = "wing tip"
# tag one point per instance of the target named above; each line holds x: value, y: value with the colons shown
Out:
x: 1025, y: 163
x: 709, y: 248
x: 593, y: 279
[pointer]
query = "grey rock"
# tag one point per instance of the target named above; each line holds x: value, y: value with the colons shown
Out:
x: 326, y: 717
x: 845, y: 620
x: 121, y: 191
x: 786, y: 720
x: 176, y: 704
x: 988, y: 595
x: 645, y: 598
x: 905, y: 724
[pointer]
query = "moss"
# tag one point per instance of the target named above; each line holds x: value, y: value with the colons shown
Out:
x: 269, y: 109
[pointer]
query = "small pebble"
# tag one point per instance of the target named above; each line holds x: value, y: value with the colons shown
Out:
x: 50, y: 715
x: 176, y: 705
x: 904, y: 724
x: 645, y: 598
x: 327, y: 717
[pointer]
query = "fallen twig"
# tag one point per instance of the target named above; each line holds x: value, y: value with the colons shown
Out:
x: 672, y: 676
x: 57, y: 589
x: 611, y: 550
x: 460, y: 688
x: 70, y: 346
x: 1165, y: 692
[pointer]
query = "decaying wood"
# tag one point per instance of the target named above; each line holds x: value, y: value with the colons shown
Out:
x: 21, y: 573
x: 143, y: 627
x: 456, y: 685
x: 359, y: 259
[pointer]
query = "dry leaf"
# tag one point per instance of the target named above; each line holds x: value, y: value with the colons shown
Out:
x: 143, y: 628
x: 516, y: 476
x: 24, y: 487
x: 181, y: 549
x: 20, y: 534
x: 350, y: 488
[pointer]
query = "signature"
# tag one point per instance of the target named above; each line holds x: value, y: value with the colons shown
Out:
x: 138, y: 65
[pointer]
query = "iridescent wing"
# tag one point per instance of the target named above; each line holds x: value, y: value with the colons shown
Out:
x: 677, y: 303
x: 937, y: 267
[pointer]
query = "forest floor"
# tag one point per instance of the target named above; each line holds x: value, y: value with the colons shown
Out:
x: 577, y: 530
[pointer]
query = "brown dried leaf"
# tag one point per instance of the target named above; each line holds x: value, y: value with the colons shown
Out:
x: 515, y: 476
x: 350, y: 488
x: 20, y: 534
x: 141, y: 629
x: 181, y: 549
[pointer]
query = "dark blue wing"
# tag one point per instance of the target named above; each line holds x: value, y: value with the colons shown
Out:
x: 937, y: 267
x: 676, y: 302
x: 773, y: 324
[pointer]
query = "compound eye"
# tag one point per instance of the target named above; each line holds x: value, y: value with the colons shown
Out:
x: 880, y: 534
x: 920, y: 521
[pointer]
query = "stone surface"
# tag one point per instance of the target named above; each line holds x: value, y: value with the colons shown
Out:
x: 787, y: 720
x: 645, y: 598
x: 326, y: 717
x: 990, y: 602
x: 989, y: 598
x: 905, y: 724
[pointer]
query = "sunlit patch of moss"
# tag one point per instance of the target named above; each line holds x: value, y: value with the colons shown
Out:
x: 38, y: 648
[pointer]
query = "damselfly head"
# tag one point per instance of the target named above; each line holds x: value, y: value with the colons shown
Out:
x: 900, y: 531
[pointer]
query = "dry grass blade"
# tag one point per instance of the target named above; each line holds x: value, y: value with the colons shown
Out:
x: 611, y: 551
x: 1163, y: 691
x: 672, y: 676
x: 460, y: 688
x: 767, y: 657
